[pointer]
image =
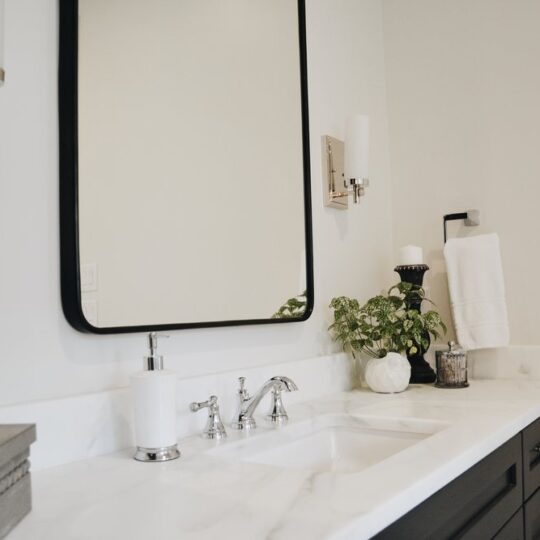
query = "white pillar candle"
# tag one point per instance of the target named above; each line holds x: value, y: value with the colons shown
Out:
x: 410, y: 255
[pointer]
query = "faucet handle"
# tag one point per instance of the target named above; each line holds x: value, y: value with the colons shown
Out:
x: 278, y: 414
x: 242, y: 392
x: 214, y: 427
x: 241, y: 421
x: 210, y: 403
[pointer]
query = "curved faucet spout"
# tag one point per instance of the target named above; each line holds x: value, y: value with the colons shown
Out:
x: 286, y: 384
x: 277, y: 383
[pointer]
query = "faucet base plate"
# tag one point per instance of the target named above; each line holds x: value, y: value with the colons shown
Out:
x: 244, y: 424
x: 214, y: 434
x: 278, y: 419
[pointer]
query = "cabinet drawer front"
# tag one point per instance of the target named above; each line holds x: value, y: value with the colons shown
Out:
x: 532, y: 517
x: 531, y: 458
x: 513, y: 530
x: 475, y: 505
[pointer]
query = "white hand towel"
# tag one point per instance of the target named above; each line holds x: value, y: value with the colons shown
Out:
x: 477, y: 296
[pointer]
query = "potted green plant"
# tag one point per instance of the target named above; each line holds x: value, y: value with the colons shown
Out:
x: 385, y: 330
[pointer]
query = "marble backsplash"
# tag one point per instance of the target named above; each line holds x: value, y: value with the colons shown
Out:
x: 89, y: 425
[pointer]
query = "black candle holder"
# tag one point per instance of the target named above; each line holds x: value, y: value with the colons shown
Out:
x: 421, y: 371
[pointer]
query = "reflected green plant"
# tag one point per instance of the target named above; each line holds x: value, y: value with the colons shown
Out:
x: 293, y: 308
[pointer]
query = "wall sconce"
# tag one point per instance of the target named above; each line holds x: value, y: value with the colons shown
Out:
x: 346, y: 164
x: 2, y: 72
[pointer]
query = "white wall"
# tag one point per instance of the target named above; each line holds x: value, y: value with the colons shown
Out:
x: 463, y: 86
x: 41, y: 356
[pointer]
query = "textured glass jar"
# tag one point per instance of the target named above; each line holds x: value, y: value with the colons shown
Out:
x: 451, y: 367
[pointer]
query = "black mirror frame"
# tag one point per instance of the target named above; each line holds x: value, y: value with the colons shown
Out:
x: 69, y: 215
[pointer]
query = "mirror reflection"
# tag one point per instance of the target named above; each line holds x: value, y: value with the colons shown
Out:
x: 191, y: 171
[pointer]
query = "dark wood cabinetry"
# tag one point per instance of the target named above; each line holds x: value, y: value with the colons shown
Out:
x: 497, y: 498
x: 513, y: 530
x: 531, y: 480
x: 532, y: 517
x: 531, y: 458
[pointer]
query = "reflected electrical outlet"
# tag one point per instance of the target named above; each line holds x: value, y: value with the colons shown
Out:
x: 90, y: 310
x: 89, y: 277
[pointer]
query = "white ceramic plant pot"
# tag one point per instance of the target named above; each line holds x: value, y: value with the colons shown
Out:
x: 388, y: 375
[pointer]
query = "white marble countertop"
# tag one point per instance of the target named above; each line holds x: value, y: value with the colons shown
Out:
x: 204, y: 497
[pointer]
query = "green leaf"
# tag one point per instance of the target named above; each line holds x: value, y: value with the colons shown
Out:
x: 384, y: 323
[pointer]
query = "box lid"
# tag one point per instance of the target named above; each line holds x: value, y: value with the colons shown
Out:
x: 15, y: 439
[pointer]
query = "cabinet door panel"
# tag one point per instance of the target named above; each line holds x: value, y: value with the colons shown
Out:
x: 531, y: 458
x: 513, y: 530
x: 532, y: 517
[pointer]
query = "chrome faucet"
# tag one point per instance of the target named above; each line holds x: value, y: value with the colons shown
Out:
x: 248, y: 404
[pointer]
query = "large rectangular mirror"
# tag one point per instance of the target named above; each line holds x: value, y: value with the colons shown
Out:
x: 185, y: 195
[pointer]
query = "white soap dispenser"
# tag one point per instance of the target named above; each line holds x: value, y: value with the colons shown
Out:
x: 154, y: 408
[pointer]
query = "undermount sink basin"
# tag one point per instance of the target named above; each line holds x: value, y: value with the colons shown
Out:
x: 331, y: 443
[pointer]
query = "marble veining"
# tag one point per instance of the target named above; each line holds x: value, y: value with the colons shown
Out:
x: 204, y: 496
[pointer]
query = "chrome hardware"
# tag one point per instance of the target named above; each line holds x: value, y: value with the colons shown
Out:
x: 358, y: 188
x: 214, y: 427
x: 278, y: 414
x: 247, y: 404
x: 536, y: 449
x: 334, y: 185
x: 336, y: 189
x: 165, y: 453
x: 471, y: 218
x: 154, y: 361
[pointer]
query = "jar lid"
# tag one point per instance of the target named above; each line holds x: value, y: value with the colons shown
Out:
x: 454, y: 349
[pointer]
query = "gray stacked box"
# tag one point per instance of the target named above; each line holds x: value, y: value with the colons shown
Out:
x: 15, y: 489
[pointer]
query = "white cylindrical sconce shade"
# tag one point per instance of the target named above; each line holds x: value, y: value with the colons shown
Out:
x: 357, y: 147
x: 2, y: 71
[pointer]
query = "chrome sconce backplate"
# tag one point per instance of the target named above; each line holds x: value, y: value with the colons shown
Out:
x: 334, y: 186
x: 336, y: 189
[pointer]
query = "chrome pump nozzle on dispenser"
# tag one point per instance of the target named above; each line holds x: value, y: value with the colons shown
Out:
x: 154, y: 361
x: 154, y: 408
